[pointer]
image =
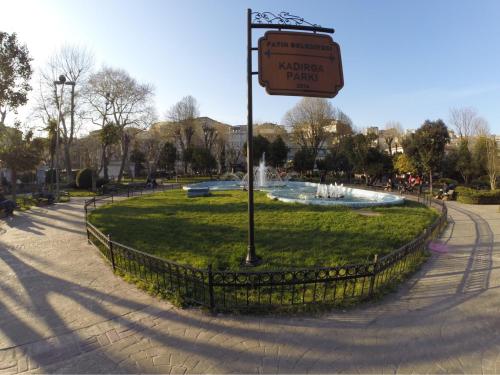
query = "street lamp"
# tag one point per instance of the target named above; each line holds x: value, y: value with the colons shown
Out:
x: 62, y: 81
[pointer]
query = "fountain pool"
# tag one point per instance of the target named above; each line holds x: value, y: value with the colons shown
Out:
x: 312, y: 193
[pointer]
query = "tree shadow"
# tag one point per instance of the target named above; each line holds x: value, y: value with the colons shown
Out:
x: 394, y: 333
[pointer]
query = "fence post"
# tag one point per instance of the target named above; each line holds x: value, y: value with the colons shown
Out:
x: 110, y: 244
x: 375, y: 271
x: 211, y: 288
x: 128, y: 191
x: 94, y: 201
x: 88, y: 232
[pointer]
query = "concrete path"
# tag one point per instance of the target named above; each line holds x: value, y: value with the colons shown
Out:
x: 62, y: 310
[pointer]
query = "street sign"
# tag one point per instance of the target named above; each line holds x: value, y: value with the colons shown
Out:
x: 302, y: 64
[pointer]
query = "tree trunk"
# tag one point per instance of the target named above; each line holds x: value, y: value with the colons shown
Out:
x: 125, y: 144
x: 13, y: 177
x: 105, y: 163
x: 430, y: 181
x: 67, y: 162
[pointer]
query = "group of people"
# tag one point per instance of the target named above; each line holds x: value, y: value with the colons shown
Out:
x: 446, y: 192
x: 404, y: 185
x: 151, y: 182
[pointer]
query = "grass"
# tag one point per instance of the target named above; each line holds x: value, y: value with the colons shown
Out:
x: 199, y: 231
x: 80, y: 193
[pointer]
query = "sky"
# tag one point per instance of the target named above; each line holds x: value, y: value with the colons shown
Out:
x: 403, y: 61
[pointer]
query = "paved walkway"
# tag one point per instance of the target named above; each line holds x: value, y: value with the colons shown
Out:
x: 62, y: 310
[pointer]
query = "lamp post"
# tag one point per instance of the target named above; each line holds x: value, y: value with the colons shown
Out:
x: 62, y: 81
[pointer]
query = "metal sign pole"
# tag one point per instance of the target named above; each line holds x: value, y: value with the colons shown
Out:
x: 251, y: 258
x: 328, y: 70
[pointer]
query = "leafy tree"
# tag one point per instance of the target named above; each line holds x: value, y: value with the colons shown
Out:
x: 138, y: 158
x: 404, y: 164
x: 187, y: 157
x: 261, y: 145
x: 168, y: 156
x: 356, y: 149
x: 15, y: 74
x: 449, y: 165
x: 378, y: 164
x: 464, y: 160
x: 109, y: 135
x: 18, y: 153
x: 303, y: 160
x: 337, y: 161
x: 479, y: 156
x: 426, y: 146
x: 202, y: 160
x: 278, y: 152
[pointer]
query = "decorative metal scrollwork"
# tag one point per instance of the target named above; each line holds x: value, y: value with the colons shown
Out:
x: 282, y: 18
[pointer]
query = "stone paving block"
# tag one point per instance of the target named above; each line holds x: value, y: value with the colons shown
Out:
x: 418, y: 328
x: 112, y: 336
x: 103, y: 340
x: 22, y: 364
x: 163, y: 359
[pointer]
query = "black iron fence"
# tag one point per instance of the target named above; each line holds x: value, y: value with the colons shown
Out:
x: 245, y: 290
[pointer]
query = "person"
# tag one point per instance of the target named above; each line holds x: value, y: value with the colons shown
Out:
x: 443, y: 191
x: 322, y: 178
x: 419, y: 182
x: 389, y: 185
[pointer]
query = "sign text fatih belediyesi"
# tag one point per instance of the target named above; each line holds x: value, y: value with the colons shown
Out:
x: 302, y: 64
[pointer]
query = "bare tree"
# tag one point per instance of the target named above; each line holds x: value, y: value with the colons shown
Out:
x: 151, y: 143
x: 210, y: 135
x: 113, y: 94
x: 183, y: 114
x: 309, y: 120
x: 466, y: 122
x: 492, y: 161
x: 76, y: 64
x: 392, y: 133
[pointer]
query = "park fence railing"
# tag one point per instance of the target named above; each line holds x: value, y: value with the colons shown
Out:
x: 266, y: 290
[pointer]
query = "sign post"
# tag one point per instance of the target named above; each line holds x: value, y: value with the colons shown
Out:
x: 300, y: 63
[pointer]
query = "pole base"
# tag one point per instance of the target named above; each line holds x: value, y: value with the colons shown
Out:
x: 252, y: 259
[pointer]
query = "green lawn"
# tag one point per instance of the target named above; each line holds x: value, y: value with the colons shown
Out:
x: 199, y: 231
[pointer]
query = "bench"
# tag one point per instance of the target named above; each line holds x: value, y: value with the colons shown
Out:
x: 198, y: 192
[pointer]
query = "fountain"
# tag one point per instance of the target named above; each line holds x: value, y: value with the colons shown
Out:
x: 267, y: 179
x: 264, y: 176
x: 330, y: 191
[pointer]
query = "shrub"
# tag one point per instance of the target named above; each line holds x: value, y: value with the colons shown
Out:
x: 448, y: 181
x: 84, y: 178
x: 472, y: 196
x: 482, y: 182
x: 50, y: 176
x: 100, y: 182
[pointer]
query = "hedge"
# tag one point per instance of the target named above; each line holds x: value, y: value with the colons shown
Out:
x: 472, y: 196
x: 84, y: 178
